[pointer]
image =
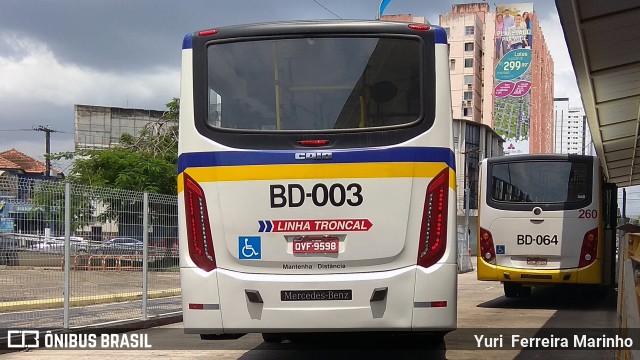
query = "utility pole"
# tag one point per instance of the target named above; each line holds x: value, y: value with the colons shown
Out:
x: 467, y: 195
x: 48, y: 132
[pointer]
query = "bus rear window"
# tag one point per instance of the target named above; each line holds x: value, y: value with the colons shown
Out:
x: 540, y: 182
x: 315, y: 83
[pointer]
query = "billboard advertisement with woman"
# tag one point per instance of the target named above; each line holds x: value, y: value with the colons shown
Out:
x: 512, y: 97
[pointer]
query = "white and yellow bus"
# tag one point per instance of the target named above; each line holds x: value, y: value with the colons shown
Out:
x: 545, y: 219
x: 316, y: 179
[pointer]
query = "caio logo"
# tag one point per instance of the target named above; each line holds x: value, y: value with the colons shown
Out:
x: 314, y: 156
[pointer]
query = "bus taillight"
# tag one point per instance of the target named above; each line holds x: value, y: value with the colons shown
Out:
x: 198, y: 226
x: 315, y: 142
x: 589, y: 249
x: 419, y: 27
x: 207, y: 32
x: 487, y: 250
x: 433, y: 234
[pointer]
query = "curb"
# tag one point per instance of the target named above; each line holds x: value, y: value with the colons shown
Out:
x: 57, y: 303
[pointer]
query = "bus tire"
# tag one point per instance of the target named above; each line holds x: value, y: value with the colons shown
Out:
x: 435, y: 340
x: 597, y: 292
x: 524, y: 291
x: 272, y: 338
x: 511, y: 290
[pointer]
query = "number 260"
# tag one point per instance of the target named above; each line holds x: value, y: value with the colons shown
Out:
x: 588, y: 214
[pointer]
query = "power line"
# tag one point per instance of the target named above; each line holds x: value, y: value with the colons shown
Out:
x: 326, y: 8
x: 32, y: 129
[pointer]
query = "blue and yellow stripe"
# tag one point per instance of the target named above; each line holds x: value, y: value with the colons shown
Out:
x: 282, y: 165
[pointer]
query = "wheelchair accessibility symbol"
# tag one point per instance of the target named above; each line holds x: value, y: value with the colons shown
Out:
x: 249, y: 248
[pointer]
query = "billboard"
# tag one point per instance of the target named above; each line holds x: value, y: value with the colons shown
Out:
x: 512, y: 90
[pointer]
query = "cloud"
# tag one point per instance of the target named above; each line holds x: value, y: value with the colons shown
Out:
x: 36, y: 88
x: 32, y: 71
x: 565, y: 84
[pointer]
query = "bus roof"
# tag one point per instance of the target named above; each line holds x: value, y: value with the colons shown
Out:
x: 523, y: 157
x: 319, y: 26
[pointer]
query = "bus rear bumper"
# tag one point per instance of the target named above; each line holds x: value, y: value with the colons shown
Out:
x: 591, y: 274
x: 243, y: 303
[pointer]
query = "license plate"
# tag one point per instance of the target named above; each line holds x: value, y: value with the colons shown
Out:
x: 315, y: 295
x: 536, y: 261
x: 315, y: 245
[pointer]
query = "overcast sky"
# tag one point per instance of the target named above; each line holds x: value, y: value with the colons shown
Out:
x: 126, y: 53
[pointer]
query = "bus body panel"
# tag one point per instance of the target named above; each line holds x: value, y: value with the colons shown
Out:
x: 538, y: 245
x: 555, y: 239
x: 407, y: 307
x: 275, y: 315
x: 210, y: 316
x: 591, y: 274
x: 382, y: 235
x: 429, y: 287
x: 378, y: 251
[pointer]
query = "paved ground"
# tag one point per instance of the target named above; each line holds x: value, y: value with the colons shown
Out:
x: 482, y: 309
x: 32, y: 297
x: 24, y: 284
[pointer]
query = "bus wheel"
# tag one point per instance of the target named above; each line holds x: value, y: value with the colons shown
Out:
x: 272, y: 338
x: 511, y: 290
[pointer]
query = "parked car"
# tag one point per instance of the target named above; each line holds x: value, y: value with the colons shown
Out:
x: 164, y: 246
x: 9, y: 241
x: 23, y: 241
x: 56, y: 244
x: 174, y: 249
x: 121, y: 246
x: 9, y: 248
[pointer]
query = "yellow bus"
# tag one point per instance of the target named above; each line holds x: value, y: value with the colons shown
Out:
x: 545, y: 219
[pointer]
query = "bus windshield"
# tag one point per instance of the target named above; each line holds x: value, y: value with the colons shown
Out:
x: 316, y: 83
x: 540, y: 182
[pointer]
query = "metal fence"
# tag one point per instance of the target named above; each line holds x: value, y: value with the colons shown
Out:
x: 464, y: 255
x: 74, y: 256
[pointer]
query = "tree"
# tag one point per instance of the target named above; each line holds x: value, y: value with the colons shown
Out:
x: 144, y: 163
x: 48, y: 199
x: 125, y: 169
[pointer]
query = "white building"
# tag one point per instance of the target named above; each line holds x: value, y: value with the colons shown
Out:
x: 472, y: 142
x: 571, y: 132
x: 470, y: 61
x: 101, y: 127
x: 471, y: 30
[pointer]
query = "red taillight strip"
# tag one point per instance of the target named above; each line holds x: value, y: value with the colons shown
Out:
x: 430, y: 304
x: 199, y: 239
x: 433, y: 233
x: 194, y: 306
x: 589, y: 249
x: 419, y: 27
x: 487, y: 249
x: 207, y: 32
x: 317, y: 142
